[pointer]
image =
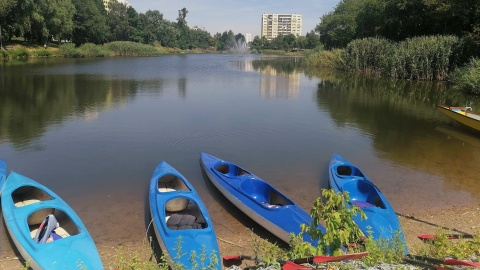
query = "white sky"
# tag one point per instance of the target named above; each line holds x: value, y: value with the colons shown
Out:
x: 240, y: 16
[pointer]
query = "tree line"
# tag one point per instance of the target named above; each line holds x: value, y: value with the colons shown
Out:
x: 398, y: 20
x: 88, y: 21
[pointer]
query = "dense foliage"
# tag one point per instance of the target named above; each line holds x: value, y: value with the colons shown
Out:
x: 398, y: 20
x: 467, y: 78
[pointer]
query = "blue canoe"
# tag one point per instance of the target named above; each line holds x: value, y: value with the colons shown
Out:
x: 257, y: 199
x: 181, y: 219
x: 381, y: 218
x: 25, y: 204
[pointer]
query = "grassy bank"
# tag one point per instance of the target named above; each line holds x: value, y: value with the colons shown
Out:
x: 21, y: 50
x: 432, y: 58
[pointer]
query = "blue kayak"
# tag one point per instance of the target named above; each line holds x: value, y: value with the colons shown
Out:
x: 3, y: 174
x: 381, y: 218
x: 180, y: 219
x: 25, y: 206
x: 257, y: 199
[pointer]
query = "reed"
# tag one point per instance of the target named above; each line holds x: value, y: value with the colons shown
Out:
x: 92, y: 50
x: 69, y: 50
x: 369, y: 56
x: 324, y: 58
x: 422, y: 58
x: 127, y: 48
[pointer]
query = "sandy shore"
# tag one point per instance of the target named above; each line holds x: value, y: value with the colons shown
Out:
x: 238, y: 239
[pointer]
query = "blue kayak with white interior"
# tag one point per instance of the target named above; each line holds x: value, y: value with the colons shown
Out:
x: 257, y: 199
x: 181, y: 221
x: 381, y: 220
x: 62, y: 241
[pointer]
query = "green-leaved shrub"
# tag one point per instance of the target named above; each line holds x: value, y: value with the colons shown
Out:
x: 467, y: 78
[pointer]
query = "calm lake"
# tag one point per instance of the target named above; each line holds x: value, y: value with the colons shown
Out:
x: 93, y: 131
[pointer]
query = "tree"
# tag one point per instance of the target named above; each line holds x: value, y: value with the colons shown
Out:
x: 183, y: 33
x: 150, y: 23
x: 134, y: 25
x: 6, y: 7
x: 90, y: 22
x: 338, y: 27
x: 312, y: 40
x: 117, y: 19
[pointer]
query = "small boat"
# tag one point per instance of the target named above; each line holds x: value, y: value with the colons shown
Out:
x: 257, y: 199
x: 382, y: 221
x: 463, y: 115
x: 181, y: 221
x: 26, y: 206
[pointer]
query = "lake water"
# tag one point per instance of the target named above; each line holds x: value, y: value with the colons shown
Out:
x: 93, y: 130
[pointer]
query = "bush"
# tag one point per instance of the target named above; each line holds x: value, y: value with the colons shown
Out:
x: 467, y: 79
x: 92, y: 50
x: 19, y: 52
x: 127, y: 48
x: 43, y: 53
x: 69, y: 50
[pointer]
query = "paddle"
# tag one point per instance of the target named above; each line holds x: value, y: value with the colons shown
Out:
x: 426, y: 237
x: 424, y: 264
x: 312, y: 259
x: 446, y: 261
x: 286, y: 265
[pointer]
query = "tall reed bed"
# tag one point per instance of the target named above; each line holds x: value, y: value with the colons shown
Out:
x: 127, y: 48
x: 85, y: 50
x: 421, y: 58
x: 324, y: 58
x: 118, y: 48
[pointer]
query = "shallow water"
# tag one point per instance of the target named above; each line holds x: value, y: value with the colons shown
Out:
x: 93, y: 131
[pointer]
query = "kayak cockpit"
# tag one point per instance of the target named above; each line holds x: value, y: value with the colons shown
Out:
x: 64, y: 227
x: 230, y: 169
x: 363, y: 194
x: 30, y: 195
x: 349, y: 171
x: 180, y: 212
x: 190, y: 217
x: 264, y: 194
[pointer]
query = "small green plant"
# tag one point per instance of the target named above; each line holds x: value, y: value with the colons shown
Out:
x: 269, y: 252
x: 384, y: 250
x: 341, y: 230
x: 81, y: 265
x: 443, y: 247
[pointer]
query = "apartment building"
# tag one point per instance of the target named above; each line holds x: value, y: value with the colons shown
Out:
x: 125, y: 2
x: 274, y: 25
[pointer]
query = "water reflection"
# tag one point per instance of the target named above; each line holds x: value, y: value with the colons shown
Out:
x: 280, y: 76
x: 400, y: 117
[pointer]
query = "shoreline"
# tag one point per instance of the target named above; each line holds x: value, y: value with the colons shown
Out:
x: 239, y: 239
